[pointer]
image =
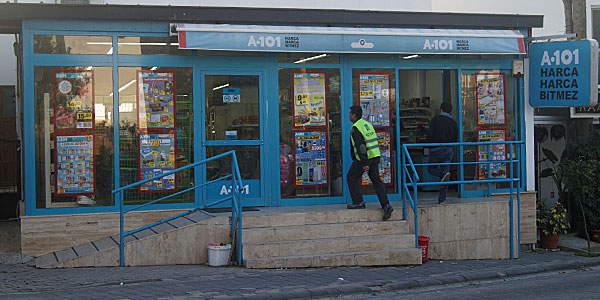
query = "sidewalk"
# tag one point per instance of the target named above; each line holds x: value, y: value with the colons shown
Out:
x: 202, y: 282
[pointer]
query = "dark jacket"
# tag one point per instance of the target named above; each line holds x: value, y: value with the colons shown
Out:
x: 442, y: 129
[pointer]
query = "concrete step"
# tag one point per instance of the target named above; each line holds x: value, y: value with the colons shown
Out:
x: 322, y: 231
x: 328, y: 245
x: 317, y: 217
x: 410, y: 256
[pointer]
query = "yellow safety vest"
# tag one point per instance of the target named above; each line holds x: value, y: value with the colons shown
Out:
x: 370, y: 136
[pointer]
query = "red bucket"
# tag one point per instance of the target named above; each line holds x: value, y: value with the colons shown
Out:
x: 424, y: 246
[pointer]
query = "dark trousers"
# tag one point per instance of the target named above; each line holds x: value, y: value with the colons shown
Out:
x: 443, y: 155
x: 354, y: 178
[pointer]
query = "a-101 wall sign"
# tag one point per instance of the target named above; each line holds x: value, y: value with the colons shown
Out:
x: 563, y: 74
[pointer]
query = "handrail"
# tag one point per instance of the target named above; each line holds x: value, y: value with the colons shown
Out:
x: 236, y: 205
x: 413, y: 180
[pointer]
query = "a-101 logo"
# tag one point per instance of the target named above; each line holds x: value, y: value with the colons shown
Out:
x: 264, y: 41
x: 438, y: 45
x: 565, y: 57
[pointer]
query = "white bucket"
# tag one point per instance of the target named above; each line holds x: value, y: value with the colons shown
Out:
x: 218, y: 255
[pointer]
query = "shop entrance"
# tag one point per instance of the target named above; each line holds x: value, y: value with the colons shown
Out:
x: 232, y: 121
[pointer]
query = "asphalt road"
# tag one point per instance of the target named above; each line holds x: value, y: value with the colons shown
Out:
x: 580, y: 285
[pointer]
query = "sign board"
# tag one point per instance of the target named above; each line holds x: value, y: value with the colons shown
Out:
x: 563, y: 74
x: 375, y: 98
x: 157, y: 156
x: 75, y: 165
x: 310, y: 155
x: 310, y: 102
x: 384, y: 138
x: 73, y: 100
x: 156, y: 99
x: 231, y: 95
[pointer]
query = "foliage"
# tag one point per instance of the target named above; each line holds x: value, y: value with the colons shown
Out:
x: 552, y: 171
x: 580, y: 172
x: 551, y: 220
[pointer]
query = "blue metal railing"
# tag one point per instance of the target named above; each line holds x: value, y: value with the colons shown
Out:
x: 412, y: 180
x: 235, y: 197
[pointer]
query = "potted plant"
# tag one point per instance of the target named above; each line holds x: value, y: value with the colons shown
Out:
x: 551, y: 222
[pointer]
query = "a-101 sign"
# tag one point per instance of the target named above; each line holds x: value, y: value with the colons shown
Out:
x: 563, y: 73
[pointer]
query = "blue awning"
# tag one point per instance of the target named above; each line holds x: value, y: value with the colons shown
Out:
x: 348, y: 40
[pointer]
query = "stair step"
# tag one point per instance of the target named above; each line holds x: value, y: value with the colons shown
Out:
x: 409, y: 256
x: 328, y: 246
x: 318, y: 217
x: 321, y: 231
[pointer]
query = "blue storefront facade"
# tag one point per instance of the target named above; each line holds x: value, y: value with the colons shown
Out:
x: 101, y: 94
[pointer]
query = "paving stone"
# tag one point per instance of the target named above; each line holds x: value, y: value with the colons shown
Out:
x: 105, y: 243
x: 198, y: 216
x: 181, y: 222
x: 65, y: 255
x: 144, y: 234
x: 164, y: 227
x: 85, y: 249
x: 46, y: 260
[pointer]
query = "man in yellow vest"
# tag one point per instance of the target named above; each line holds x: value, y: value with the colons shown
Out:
x: 365, y: 158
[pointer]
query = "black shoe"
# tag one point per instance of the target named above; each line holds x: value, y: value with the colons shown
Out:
x: 441, y: 201
x: 387, y: 212
x: 356, y: 206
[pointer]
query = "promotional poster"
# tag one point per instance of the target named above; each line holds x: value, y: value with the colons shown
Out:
x: 157, y: 156
x: 156, y: 99
x: 490, y: 100
x: 74, y: 165
x: 73, y: 100
x: 310, y: 104
x: 385, y: 164
x: 375, y: 98
x: 497, y: 152
x: 311, y: 157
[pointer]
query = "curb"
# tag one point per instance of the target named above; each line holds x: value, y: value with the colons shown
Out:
x: 429, y: 281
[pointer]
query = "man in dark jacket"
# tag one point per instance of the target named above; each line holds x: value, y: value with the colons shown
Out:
x: 442, y: 129
x: 364, y: 148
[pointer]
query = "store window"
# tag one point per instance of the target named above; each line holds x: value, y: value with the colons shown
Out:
x: 73, y: 136
x: 232, y: 107
x: 421, y: 94
x: 248, y: 159
x: 375, y: 91
x: 150, y: 45
x: 488, y: 104
x: 310, y: 118
x: 155, y: 131
x: 72, y: 44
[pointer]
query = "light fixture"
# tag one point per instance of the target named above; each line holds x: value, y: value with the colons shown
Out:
x: 153, y: 68
x: 221, y: 86
x: 126, y: 107
x: 310, y: 58
x: 411, y: 56
x: 89, y: 68
x: 110, y: 52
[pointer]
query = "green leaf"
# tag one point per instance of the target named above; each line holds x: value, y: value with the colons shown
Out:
x: 546, y: 173
x: 550, y: 155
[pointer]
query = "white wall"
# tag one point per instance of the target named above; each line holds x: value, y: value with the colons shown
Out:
x: 8, y: 61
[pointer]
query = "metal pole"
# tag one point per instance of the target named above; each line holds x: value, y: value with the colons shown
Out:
x: 121, y: 239
x: 512, y: 225
x: 519, y: 199
x: 404, y: 184
x: 415, y: 213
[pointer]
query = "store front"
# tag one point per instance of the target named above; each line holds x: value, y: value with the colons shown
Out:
x: 111, y: 102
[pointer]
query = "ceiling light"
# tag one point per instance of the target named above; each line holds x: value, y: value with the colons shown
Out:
x: 411, y: 56
x: 220, y: 87
x: 310, y: 58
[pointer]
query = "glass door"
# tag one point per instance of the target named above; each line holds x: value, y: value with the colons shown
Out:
x: 233, y: 121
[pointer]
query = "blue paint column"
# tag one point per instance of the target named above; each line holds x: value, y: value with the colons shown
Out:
x: 346, y: 102
x: 459, y: 116
x: 271, y: 119
x: 197, y: 137
x: 28, y: 121
x: 115, y: 87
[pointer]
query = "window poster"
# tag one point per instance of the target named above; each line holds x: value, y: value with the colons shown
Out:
x: 310, y: 105
x: 73, y: 100
x: 384, y: 138
x: 490, y: 100
x: 311, y: 157
x: 375, y: 98
x: 74, y: 165
x: 157, y: 156
x: 156, y: 99
x: 496, y: 152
